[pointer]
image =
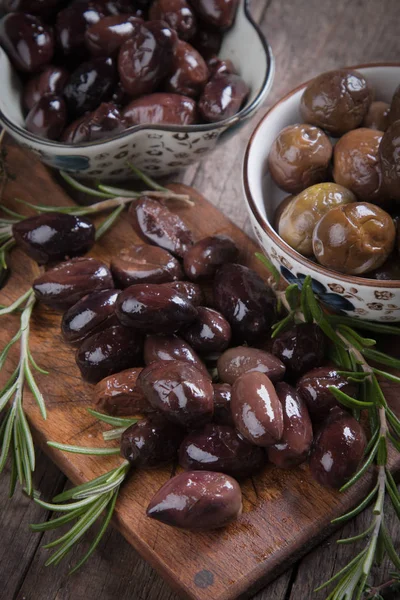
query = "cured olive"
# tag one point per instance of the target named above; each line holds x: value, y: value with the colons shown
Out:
x: 223, y: 96
x: 219, y: 14
x: 105, y: 37
x: 219, y: 66
x: 189, y: 71
x: 33, y: 7
x: 71, y: 25
x: 89, y: 85
x: 197, y: 500
x: 300, y: 348
x: 181, y: 392
x: 159, y: 348
x: 377, y: 116
x: 389, y: 151
x: 297, y: 437
x: 178, y: 15
x: 135, y: 7
x: 299, y: 157
x: 202, y: 260
x: 354, y: 238
x: 245, y: 301
x: 151, y: 442
x: 63, y: 285
x: 191, y: 291
x: 394, y: 111
x: 104, y: 122
x: 161, y: 109
x: 236, y: 361
x: 89, y: 315
x: 207, y: 42
x: 109, y: 351
x: 256, y: 409
x: 27, y: 40
x: 209, y: 333
x: 47, y: 118
x: 157, y: 225
x: 167, y: 40
x: 337, y: 101
x: 220, y: 448
x: 51, y: 237
x: 222, y: 404
x: 143, y: 263
x: 51, y: 81
x: 119, y: 394
x: 338, y: 449
x: 301, y: 213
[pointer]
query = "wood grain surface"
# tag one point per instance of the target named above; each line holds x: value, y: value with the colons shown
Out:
x: 307, y: 37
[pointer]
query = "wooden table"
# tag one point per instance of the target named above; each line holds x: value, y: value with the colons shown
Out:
x: 307, y: 37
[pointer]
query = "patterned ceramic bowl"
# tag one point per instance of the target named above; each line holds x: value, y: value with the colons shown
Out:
x: 159, y: 149
x: 355, y: 296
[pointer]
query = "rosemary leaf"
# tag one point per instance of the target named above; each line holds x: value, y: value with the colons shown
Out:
x: 343, y: 571
x: 84, y: 450
x: 80, y: 187
x: 27, y: 436
x: 116, y: 421
x: 101, y: 489
x: 58, y: 522
x: 146, y: 179
x: 270, y: 266
x: 386, y: 375
x: 281, y: 325
x: 366, y: 342
x: 305, y: 309
x: 356, y: 511
x: 15, y: 305
x: 292, y: 294
x: 362, y: 469
x: 358, y: 537
x: 347, y: 400
x: 69, y: 494
x: 35, y: 390
x: 35, y: 365
x: 381, y: 358
x: 64, y: 507
x: 13, y: 476
x: 6, y: 439
x: 116, y: 191
x: 109, y: 222
x: 364, y: 325
x: 113, y: 434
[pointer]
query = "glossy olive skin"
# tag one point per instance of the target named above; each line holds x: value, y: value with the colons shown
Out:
x: 71, y: 25
x: 102, y: 123
x: 189, y: 71
x: 208, y: 42
x: 299, y: 157
x: 220, y: 448
x: 337, y: 101
x: 191, y: 291
x: 219, y: 66
x: 47, y: 118
x: 389, y: 159
x: 156, y: 224
x: 209, y: 333
x: 338, y: 449
x: 178, y: 14
x: 223, y: 96
x: 151, y: 442
x: 89, y: 315
x: 203, y: 259
x: 295, y: 444
x: 354, y: 239
x: 234, y: 362
x: 222, y: 404
x: 181, y: 392
x: 27, y: 40
x: 153, y: 308
x: 142, y: 263
x: 394, y: 111
x: 51, y: 237
x: 245, y: 301
x: 218, y: 14
x: 62, y: 287
x: 89, y: 85
x: 109, y: 351
x: 158, y: 348
x: 377, y: 116
x: 119, y: 394
x: 299, y: 216
x: 300, y: 348
x: 167, y: 40
x: 51, y: 81
x: 105, y: 37
x: 161, y: 109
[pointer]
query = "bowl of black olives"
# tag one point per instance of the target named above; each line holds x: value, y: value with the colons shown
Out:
x: 322, y: 183
x: 91, y: 85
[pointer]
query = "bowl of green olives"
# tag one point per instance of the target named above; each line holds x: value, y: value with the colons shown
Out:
x: 322, y: 184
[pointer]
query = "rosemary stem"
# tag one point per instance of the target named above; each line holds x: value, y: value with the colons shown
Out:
x: 380, y: 588
x: 111, y: 203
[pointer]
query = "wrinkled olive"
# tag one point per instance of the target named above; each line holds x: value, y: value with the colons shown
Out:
x: 377, y: 116
x: 167, y: 40
x: 104, y: 122
x: 242, y: 359
x: 105, y: 37
x: 161, y: 108
x: 389, y: 151
x: 209, y: 333
x: 202, y: 260
x: 219, y: 66
x: 47, y: 118
x: 300, y: 348
x: 222, y: 404
x: 207, y: 42
x: 223, y: 96
x: 89, y: 85
x: 89, y: 315
x: 178, y: 15
x: 135, y: 7
x: 119, y: 394
x: 189, y: 71
x: 159, y: 348
x: 51, y: 81
x: 28, y: 41
x: 143, y: 263
x: 219, y: 14
x: 191, y: 291
x: 71, y: 25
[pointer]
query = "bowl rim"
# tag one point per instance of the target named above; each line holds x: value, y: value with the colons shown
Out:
x: 265, y: 224
x: 200, y: 128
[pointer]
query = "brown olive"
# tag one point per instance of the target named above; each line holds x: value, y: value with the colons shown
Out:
x: 27, y: 40
x: 299, y: 157
x: 389, y: 151
x: 89, y: 315
x: 197, y: 500
x: 256, y: 409
x: 178, y: 15
x: 51, y: 81
x: 219, y: 66
x: 181, y: 392
x: 207, y: 42
x: 47, y: 118
x: 338, y: 449
x: 222, y: 404
x: 209, y: 333
x: 159, y: 348
x: 105, y: 37
x: 223, y: 96
x: 218, y: 14
x: 143, y: 263
x: 336, y: 101
x: 394, y: 111
x: 167, y: 40
x: 295, y: 444
x: 119, y: 394
x: 191, y: 291
x: 300, y: 348
x: 89, y: 85
x: 202, y: 260
x: 71, y: 25
x: 236, y: 361
x: 161, y: 109
x: 189, y: 71
x: 354, y: 238
x: 104, y: 122
x: 377, y: 116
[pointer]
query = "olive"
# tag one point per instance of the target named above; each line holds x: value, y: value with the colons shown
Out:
x: 256, y: 409
x: 207, y: 42
x: 219, y: 66
x: 47, y: 118
x: 218, y: 14
x: 223, y: 96
x: 109, y: 351
x: 209, y: 333
x: 151, y: 442
x: 377, y: 116
x: 282, y: 206
x: 157, y: 225
x: 220, y: 448
x: 89, y: 85
x: 389, y: 151
x: 104, y: 122
x: 154, y: 309
x: 143, y: 263
x: 167, y: 40
x: 336, y: 101
x: 161, y: 109
x: 189, y: 71
x: 105, y: 37
x: 28, y: 42
x: 178, y: 15
x: 191, y: 291
x: 222, y: 404
x: 51, y: 81
x: 295, y: 444
x: 338, y: 449
x: 159, y: 348
x: 299, y: 157
x: 181, y: 392
x: 50, y: 237
x: 389, y: 271
x: 117, y: 7
x: 71, y: 25
x: 202, y: 260
x: 119, y: 394
x: 354, y: 238
x: 197, y: 500
x: 299, y: 216
x: 236, y: 361
x: 245, y: 301
x: 313, y: 387
x: 63, y: 285
x: 300, y: 348
x: 33, y: 7
x: 120, y: 97
x: 394, y: 110
x: 89, y: 315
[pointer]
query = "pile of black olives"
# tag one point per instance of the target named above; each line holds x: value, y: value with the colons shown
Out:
x: 342, y: 205
x: 93, y: 68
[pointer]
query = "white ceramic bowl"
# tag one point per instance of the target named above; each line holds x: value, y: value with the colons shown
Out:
x: 159, y: 149
x: 355, y: 296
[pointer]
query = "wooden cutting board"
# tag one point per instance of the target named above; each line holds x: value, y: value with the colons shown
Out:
x: 285, y: 512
